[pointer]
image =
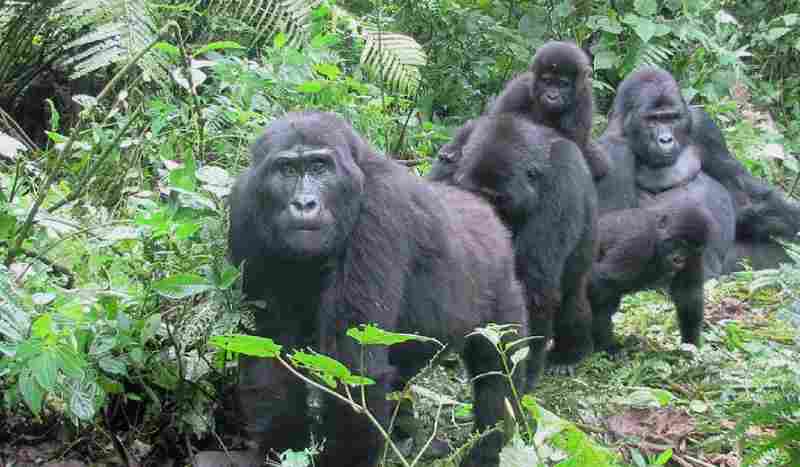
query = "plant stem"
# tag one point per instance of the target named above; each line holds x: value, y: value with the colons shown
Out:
x: 349, y: 402
x: 24, y: 231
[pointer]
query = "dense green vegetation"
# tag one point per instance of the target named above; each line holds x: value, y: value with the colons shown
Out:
x: 124, y: 122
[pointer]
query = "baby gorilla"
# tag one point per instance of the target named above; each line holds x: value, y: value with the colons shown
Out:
x: 639, y: 248
x: 556, y: 92
x: 333, y: 236
x: 543, y: 191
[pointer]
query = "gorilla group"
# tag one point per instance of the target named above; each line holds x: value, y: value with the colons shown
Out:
x: 534, y: 224
x: 332, y: 236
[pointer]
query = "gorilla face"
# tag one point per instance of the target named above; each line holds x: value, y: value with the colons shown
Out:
x: 506, y: 179
x: 658, y: 126
x: 305, y: 198
x: 555, y: 92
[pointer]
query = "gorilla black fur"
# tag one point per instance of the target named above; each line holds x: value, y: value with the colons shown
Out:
x: 555, y: 92
x: 638, y: 248
x: 542, y: 189
x: 331, y: 236
x: 655, y: 162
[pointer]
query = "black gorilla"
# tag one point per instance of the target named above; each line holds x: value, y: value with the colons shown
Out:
x: 332, y: 236
x: 542, y: 189
x: 450, y: 154
x: 639, y: 248
x: 556, y: 92
x: 655, y: 161
x: 762, y: 211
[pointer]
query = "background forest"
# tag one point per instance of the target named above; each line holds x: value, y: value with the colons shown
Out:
x: 123, y: 124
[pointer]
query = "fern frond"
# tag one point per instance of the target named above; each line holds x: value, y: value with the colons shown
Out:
x: 15, y: 320
x: 269, y: 17
x: 394, y: 58
x: 655, y: 54
x: 121, y: 29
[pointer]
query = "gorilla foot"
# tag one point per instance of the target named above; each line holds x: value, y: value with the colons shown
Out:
x: 250, y: 458
x: 562, y: 369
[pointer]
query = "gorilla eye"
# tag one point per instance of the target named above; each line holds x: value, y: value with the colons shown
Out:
x: 532, y: 174
x: 288, y: 170
x: 318, y: 167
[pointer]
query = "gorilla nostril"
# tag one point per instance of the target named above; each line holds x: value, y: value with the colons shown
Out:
x: 304, y: 205
x: 665, y: 139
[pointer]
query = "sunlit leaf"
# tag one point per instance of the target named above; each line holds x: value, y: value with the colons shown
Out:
x: 370, y: 334
x: 219, y: 45
x: 31, y: 392
x: 44, y: 368
x: 248, y: 345
x: 182, y: 286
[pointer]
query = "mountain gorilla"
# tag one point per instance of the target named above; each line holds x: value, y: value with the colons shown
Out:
x: 556, y: 92
x: 450, y: 154
x: 651, y: 141
x: 333, y: 236
x: 762, y: 211
x: 637, y: 248
x: 542, y: 189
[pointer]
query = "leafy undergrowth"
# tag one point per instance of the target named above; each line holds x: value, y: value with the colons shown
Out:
x: 660, y: 395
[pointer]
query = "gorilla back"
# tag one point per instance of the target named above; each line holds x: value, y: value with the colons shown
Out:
x: 332, y: 236
x: 542, y: 189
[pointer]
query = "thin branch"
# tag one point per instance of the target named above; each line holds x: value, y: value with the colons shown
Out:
x: 23, y: 232
x: 349, y: 402
x: 83, y: 184
x: 433, y: 435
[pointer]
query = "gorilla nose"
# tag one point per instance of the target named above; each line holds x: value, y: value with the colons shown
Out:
x: 551, y: 97
x: 304, y: 205
x: 665, y: 139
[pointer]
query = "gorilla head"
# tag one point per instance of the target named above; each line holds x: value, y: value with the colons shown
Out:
x: 649, y: 111
x: 509, y: 175
x: 300, y: 178
x: 562, y: 80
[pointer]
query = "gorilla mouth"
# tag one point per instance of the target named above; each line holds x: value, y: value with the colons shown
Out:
x: 305, y: 225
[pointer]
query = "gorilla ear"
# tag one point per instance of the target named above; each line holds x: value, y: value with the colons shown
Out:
x: 585, y: 74
x: 663, y: 221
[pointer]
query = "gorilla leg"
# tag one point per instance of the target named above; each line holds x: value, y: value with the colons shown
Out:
x: 686, y: 291
x: 573, y: 323
x: 273, y: 403
x: 572, y: 328
x: 489, y: 392
x: 603, y: 326
x: 342, y: 424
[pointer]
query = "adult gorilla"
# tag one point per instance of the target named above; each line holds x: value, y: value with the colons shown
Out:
x: 332, y: 236
x: 762, y: 211
x: 542, y: 189
x: 656, y: 160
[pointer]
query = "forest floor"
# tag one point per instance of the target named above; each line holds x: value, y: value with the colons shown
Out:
x: 660, y: 395
x: 658, y: 398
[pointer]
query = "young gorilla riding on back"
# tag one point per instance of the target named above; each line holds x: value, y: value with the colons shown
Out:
x: 333, y: 236
x: 542, y: 189
x: 556, y: 92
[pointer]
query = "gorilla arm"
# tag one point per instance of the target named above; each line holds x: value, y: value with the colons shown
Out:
x: 762, y: 211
